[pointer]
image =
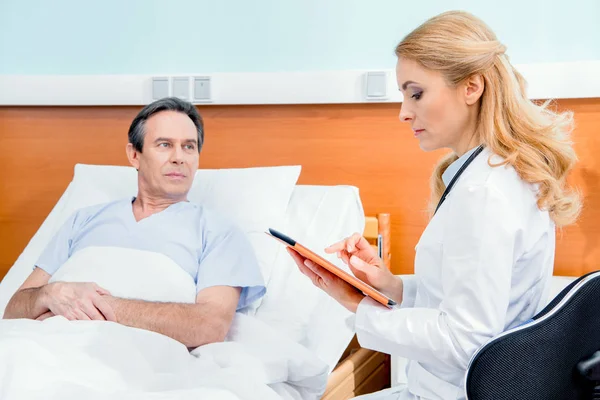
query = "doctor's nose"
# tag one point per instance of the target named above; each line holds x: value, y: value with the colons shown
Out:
x: 406, y: 115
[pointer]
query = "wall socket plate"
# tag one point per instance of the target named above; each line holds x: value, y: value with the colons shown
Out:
x: 195, y: 89
x: 161, y: 87
x: 181, y: 87
x: 376, y: 85
x: 201, y: 89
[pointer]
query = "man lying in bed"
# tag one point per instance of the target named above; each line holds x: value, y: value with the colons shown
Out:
x: 165, y: 139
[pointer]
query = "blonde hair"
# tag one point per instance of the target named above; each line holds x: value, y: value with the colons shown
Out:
x: 531, y: 138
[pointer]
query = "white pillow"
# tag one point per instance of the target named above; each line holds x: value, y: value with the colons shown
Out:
x: 317, y: 216
x: 253, y: 198
x: 249, y: 196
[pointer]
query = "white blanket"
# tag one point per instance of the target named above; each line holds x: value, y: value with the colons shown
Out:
x: 59, y: 359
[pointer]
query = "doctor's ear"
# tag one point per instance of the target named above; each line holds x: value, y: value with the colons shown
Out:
x: 473, y: 89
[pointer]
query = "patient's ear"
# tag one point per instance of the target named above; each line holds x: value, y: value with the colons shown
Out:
x: 133, y: 155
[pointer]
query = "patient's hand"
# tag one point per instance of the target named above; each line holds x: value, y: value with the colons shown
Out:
x: 78, y: 301
x: 45, y: 315
x: 362, y: 259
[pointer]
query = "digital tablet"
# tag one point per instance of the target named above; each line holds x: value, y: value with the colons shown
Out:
x: 366, y: 289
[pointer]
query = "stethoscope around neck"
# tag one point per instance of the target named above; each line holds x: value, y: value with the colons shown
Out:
x: 462, y: 169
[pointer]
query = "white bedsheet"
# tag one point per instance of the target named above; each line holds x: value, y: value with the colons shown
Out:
x: 59, y: 359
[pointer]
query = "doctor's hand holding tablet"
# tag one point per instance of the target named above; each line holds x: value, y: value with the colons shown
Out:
x: 356, y: 252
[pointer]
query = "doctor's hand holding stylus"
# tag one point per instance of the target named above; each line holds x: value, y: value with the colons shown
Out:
x: 356, y: 252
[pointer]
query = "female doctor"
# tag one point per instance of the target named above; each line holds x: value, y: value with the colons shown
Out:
x: 483, y: 264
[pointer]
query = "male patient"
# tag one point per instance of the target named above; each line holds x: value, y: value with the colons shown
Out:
x: 165, y: 139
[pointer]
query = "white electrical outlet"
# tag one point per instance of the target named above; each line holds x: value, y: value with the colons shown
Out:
x: 160, y: 87
x: 202, y: 89
x: 376, y: 85
x: 181, y: 87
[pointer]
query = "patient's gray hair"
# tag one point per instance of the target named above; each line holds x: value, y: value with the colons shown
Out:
x: 137, y: 132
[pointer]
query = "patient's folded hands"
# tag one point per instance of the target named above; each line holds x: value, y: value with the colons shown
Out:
x: 77, y: 301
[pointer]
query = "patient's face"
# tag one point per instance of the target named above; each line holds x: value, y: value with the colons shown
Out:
x: 169, y: 158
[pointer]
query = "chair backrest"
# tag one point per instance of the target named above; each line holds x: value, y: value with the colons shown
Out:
x: 538, y: 360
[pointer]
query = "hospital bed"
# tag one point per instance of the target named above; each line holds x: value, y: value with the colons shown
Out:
x: 256, y: 199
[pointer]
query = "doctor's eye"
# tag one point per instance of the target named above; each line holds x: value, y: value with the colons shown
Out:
x: 417, y: 95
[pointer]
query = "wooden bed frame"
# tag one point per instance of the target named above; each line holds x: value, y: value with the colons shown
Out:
x: 363, y: 371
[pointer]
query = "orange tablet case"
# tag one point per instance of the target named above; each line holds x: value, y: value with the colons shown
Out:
x: 352, y: 280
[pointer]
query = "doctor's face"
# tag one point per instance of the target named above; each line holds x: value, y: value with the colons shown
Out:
x: 169, y: 158
x: 436, y: 111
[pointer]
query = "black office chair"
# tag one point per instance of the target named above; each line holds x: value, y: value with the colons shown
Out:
x: 554, y: 356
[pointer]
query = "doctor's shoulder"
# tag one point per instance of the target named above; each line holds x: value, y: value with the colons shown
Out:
x: 499, y: 178
x: 490, y: 177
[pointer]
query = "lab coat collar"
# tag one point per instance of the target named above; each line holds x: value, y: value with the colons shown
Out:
x: 455, y: 166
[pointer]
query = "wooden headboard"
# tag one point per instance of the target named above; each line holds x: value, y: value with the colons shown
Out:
x: 356, y: 144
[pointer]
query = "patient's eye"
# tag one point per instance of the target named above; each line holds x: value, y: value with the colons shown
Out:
x: 190, y: 147
x: 417, y: 95
x: 163, y: 144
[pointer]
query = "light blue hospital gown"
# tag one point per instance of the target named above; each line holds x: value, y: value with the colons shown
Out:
x: 206, y: 245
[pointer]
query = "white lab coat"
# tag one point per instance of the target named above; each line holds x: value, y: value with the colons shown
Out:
x: 483, y: 265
